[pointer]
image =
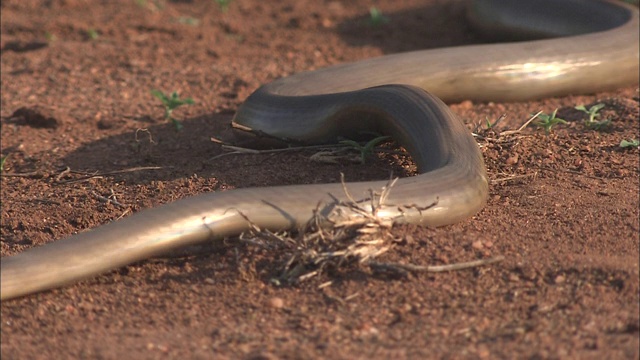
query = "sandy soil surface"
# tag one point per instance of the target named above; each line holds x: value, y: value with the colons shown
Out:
x: 563, y: 207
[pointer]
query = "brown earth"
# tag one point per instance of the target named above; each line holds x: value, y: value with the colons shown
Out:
x: 563, y: 208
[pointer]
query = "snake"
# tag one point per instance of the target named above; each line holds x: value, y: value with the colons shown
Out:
x: 561, y: 47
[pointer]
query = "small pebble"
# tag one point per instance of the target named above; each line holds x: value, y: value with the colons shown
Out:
x: 466, y: 105
x: 276, y: 303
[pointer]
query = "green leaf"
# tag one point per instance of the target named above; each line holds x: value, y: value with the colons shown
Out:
x: 224, y: 4
x: 367, y: 149
x: 548, y: 121
x: 178, y: 125
x: 598, y: 125
x: 373, y: 142
x: 93, y: 34
x: 629, y: 143
x: 2, y: 161
x: 352, y: 143
x: 592, y: 112
x: 160, y: 95
x: 376, y: 18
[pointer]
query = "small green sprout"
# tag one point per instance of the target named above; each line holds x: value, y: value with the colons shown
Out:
x: 592, y: 112
x: 188, y: 20
x: 591, y: 122
x: 376, y: 18
x: 629, y: 143
x: 224, y: 4
x: 548, y: 121
x: 490, y: 125
x: 366, y: 149
x: 156, y: 4
x: 50, y: 36
x: 598, y: 125
x: 170, y: 103
x: 2, y: 161
x: 93, y: 34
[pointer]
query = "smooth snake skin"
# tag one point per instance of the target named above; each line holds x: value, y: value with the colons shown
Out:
x: 593, y: 47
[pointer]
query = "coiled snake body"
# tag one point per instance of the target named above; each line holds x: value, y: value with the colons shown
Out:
x: 596, y: 49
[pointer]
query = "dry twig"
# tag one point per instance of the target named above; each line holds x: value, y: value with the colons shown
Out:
x: 351, y: 234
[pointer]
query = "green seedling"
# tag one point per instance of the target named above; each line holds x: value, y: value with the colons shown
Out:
x: 593, y: 114
x: 50, y: 37
x: 629, y: 143
x: 376, y: 18
x: 598, y: 125
x: 224, y: 4
x: 171, y: 103
x: 154, y: 6
x: 548, y: 121
x: 488, y: 123
x: 93, y: 34
x: 2, y: 161
x: 491, y: 125
x: 366, y: 149
x: 188, y: 20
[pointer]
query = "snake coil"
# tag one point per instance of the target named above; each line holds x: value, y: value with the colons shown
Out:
x: 593, y: 47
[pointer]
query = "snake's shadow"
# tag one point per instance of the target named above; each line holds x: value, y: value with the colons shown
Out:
x: 181, y: 154
x: 157, y: 152
x: 176, y: 154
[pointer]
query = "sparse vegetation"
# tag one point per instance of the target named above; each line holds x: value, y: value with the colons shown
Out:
x: 188, y: 20
x: 224, y: 4
x: 490, y: 125
x: 50, y: 36
x: 366, y: 149
x: 593, y: 114
x: 548, y: 121
x: 156, y: 4
x: 171, y: 103
x: 376, y: 18
x: 2, y: 161
x: 93, y: 34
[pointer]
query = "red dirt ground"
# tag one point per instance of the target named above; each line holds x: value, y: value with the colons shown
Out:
x: 567, y: 223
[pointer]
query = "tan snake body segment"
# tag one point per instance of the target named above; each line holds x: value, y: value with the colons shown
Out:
x: 597, y: 49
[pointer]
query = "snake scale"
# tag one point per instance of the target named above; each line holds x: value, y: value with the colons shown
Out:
x: 580, y: 46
